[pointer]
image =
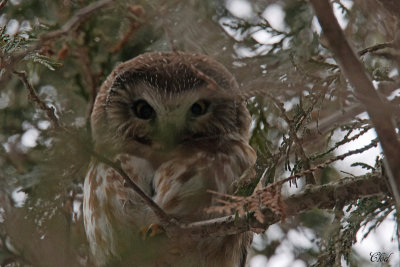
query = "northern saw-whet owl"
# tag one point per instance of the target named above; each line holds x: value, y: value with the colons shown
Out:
x: 176, y: 124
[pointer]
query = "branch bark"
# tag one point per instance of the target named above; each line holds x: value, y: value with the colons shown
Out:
x: 78, y: 18
x: 380, y: 116
x: 326, y: 196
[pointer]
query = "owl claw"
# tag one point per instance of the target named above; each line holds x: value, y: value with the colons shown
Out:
x: 151, y: 231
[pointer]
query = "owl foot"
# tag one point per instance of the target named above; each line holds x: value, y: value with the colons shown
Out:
x: 151, y: 231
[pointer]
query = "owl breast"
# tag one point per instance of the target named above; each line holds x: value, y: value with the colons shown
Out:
x: 113, y: 214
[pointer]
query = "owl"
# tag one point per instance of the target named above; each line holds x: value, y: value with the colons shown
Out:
x: 178, y: 127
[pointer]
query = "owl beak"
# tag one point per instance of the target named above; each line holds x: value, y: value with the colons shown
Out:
x: 167, y: 136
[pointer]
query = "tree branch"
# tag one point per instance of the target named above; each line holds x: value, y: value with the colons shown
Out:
x: 326, y: 196
x: 50, y: 111
x: 375, y: 48
x: 77, y: 19
x: 2, y: 4
x: 380, y: 115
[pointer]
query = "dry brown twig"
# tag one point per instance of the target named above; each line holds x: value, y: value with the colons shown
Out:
x: 377, y: 109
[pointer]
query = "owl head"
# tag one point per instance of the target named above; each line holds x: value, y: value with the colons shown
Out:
x: 166, y: 100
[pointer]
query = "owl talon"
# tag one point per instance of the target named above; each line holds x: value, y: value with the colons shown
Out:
x: 151, y: 231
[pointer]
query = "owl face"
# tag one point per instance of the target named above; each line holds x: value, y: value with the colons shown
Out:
x: 162, y: 101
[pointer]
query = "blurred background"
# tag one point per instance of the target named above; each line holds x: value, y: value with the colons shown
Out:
x: 274, y: 48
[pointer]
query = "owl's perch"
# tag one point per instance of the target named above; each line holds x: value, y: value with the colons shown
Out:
x: 322, y: 197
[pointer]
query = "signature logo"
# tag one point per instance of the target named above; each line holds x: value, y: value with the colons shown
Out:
x: 380, y: 256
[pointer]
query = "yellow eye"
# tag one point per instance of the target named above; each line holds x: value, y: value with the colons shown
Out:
x: 199, y: 108
x: 143, y: 110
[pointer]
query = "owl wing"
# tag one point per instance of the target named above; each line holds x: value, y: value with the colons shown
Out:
x: 109, y: 207
x: 181, y: 183
x: 181, y: 186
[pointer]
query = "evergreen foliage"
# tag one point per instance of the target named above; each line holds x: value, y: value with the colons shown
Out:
x: 303, y: 111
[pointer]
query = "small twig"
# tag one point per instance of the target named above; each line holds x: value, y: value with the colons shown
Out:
x: 373, y: 143
x: 292, y: 132
x: 50, y: 111
x: 2, y: 4
x: 323, y: 197
x: 344, y: 141
x: 375, y: 48
x: 77, y: 19
x: 324, y: 125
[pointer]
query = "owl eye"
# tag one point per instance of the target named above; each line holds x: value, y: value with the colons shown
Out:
x: 143, y: 110
x: 199, y: 108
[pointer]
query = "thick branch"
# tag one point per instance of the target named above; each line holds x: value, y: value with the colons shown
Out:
x: 326, y: 196
x: 377, y: 110
x: 78, y: 18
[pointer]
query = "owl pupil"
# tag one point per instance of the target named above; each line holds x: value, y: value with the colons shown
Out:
x: 143, y: 110
x: 199, y: 108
